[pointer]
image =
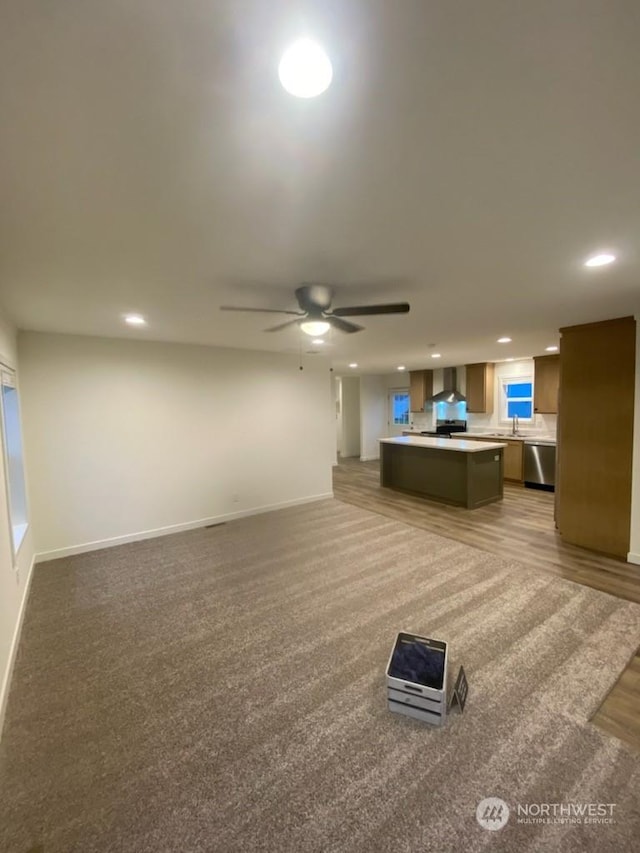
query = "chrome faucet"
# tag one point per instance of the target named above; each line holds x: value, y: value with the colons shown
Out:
x: 514, y: 428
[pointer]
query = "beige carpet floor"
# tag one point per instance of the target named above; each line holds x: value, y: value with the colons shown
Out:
x: 223, y: 690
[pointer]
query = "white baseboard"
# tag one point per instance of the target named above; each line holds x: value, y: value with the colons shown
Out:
x: 633, y: 558
x: 6, y: 679
x: 172, y: 528
x: 369, y: 458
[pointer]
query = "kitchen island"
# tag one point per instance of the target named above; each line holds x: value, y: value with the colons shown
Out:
x: 452, y: 471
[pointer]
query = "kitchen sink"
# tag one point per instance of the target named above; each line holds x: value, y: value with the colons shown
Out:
x: 505, y: 435
x: 520, y: 435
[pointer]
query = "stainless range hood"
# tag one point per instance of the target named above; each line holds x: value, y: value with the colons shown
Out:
x: 449, y: 393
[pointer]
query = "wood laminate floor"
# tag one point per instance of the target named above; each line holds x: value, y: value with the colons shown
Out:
x: 521, y: 526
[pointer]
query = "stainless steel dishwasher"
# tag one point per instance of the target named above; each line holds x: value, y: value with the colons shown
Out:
x: 540, y: 465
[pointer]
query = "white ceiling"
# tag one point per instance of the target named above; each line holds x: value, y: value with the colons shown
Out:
x: 467, y: 158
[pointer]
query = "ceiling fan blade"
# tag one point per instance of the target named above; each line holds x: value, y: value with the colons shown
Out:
x: 262, y: 310
x: 362, y: 310
x: 342, y: 325
x: 283, y: 325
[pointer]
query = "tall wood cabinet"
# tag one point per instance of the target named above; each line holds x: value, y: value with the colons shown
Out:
x: 420, y: 388
x: 546, y: 384
x: 595, y: 435
x: 479, y: 391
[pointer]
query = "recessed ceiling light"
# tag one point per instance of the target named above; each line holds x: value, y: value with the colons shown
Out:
x: 318, y: 341
x: 435, y: 355
x: 353, y: 364
x: 551, y: 349
x: 305, y: 70
x: 504, y: 340
x: 135, y: 320
x: 401, y: 367
x: 600, y: 260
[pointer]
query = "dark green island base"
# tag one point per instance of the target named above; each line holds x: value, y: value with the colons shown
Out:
x: 458, y: 477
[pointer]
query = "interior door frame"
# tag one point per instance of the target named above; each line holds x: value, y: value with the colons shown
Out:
x: 394, y: 428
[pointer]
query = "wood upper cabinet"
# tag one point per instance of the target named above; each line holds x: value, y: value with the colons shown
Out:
x: 480, y: 388
x: 595, y: 459
x: 546, y: 384
x: 420, y: 388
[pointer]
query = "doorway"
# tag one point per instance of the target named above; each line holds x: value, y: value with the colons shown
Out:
x: 398, y: 419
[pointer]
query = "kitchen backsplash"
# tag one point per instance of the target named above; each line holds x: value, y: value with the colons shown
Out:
x: 542, y: 424
x: 422, y: 420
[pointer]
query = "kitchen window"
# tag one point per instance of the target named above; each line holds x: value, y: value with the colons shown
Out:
x: 517, y: 398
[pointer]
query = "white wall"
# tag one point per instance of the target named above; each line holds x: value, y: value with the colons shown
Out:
x: 634, y: 546
x: 395, y: 380
x: 129, y: 438
x: 374, y: 394
x: 350, y: 407
x: 14, y: 576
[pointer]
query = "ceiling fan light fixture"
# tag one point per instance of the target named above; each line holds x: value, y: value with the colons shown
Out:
x: 315, y: 316
x: 135, y: 320
x: 305, y: 69
x: 600, y: 260
x: 315, y: 327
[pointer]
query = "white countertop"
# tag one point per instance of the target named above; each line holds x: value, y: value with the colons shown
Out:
x: 462, y: 446
x: 527, y: 439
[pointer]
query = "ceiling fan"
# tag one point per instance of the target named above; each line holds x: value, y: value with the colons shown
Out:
x: 316, y: 316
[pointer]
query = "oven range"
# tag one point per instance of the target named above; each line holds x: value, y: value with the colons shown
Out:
x: 446, y: 427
